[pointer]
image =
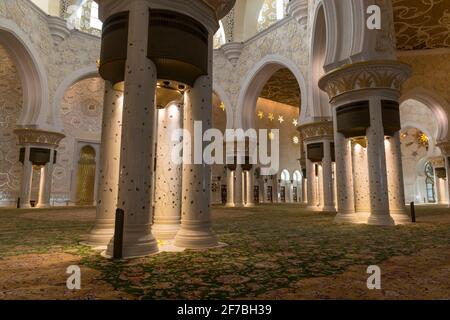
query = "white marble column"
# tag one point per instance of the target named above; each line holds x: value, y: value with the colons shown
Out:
x: 230, y: 188
x: 344, y: 177
x: 196, y: 231
x: 360, y: 178
x: 45, y: 187
x: 320, y: 186
x: 440, y: 189
x: 304, y: 190
x: 27, y: 181
x: 138, y: 139
x: 447, y: 170
x: 239, y: 188
x: 378, y: 182
x: 328, y: 185
x: 167, y: 216
x: 249, y: 183
x: 290, y: 192
x: 334, y: 186
x: 108, y: 184
x: 311, y: 185
x: 397, y: 202
x: 276, y: 189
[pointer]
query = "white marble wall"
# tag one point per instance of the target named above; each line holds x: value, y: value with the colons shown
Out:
x: 10, y: 110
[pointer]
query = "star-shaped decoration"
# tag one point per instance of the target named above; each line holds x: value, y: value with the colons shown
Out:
x: 261, y: 115
x: 271, y: 117
x: 295, y: 122
x: 281, y: 119
x: 296, y: 140
x: 271, y: 135
x: 222, y: 106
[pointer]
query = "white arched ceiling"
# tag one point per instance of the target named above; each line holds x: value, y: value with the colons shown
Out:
x: 31, y: 72
x: 435, y: 104
x: 254, y: 82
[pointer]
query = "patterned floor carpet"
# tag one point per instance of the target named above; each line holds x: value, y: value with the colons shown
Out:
x: 271, y: 249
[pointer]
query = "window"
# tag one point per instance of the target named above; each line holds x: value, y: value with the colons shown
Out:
x: 219, y: 37
x: 95, y: 21
x: 83, y: 16
x: 297, y: 176
x: 271, y: 12
x: 285, y: 176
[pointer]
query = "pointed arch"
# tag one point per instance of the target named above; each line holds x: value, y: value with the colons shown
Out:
x: 435, y: 103
x: 70, y: 80
x: 32, y: 74
x: 254, y: 82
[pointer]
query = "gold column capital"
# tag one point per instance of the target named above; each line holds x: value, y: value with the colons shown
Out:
x: 381, y: 74
x: 313, y: 130
x: 39, y: 137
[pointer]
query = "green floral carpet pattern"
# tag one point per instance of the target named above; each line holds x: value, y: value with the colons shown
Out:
x: 269, y: 248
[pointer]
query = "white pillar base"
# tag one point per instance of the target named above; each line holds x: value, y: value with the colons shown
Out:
x: 399, y: 211
x: 196, y: 235
x: 381, y: 220
x: 138, y: 242
x: 329, y: 209
x: 401, y: 218
x: 101, y: 235
x: 165, y: 231
x: 348, y: 218
x: 230, y: 205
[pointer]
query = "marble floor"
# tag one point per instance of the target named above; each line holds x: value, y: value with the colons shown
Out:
x: 273, y: 252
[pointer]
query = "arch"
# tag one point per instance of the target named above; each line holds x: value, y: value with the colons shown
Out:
x: 297, y: 176
x: 435, y: 103
x: 220, y: 92
x: 74, y: 77
x: 285, y: 175
x: 32, y: 74
x: 255, y: 81
x: 319, y: 100
x: 333, y: 32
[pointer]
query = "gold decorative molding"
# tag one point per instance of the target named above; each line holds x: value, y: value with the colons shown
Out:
x: 40, y: 137
x: 220, y: 7
x: 445, y: 147
x: 323, y: 129
x: 383, y: 74
x: 437, y: 162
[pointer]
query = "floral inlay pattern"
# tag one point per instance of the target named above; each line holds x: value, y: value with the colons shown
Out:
x: 422, y: 24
